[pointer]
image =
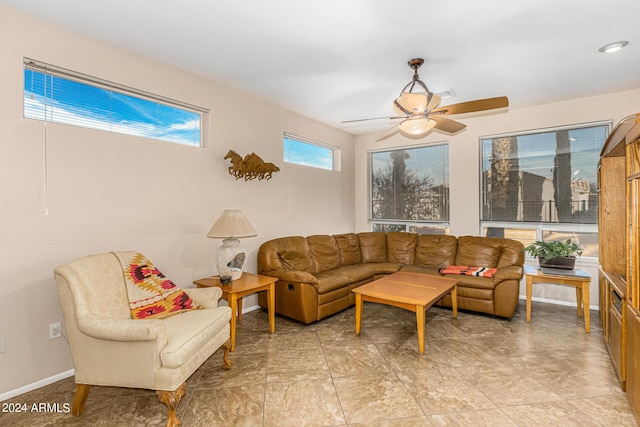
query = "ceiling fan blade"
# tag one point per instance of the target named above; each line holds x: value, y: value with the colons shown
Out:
x: 388, y: 133
x: 472, y: 106
x: 447, y: 125
x: 374, y: 118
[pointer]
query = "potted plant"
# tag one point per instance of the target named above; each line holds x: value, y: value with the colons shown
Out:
x: 555, y: 254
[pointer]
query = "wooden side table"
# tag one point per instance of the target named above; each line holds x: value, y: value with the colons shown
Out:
x: 578, y: 278
x: 247, y: 284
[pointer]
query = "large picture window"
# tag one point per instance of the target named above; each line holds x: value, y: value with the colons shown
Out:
x: 541, y: 185
x: 54, y: 94
x: 409, y: 189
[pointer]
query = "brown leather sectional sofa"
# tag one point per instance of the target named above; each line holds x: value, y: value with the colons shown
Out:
x: 317, y: 273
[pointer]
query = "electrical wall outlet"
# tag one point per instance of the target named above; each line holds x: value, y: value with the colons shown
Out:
x: 3, y: 345
x: 55, y: 330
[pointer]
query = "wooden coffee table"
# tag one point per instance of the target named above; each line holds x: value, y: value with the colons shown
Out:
x: 412, y: 291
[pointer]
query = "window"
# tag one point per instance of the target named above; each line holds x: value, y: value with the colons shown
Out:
x: 54, y: 94
x: 541, y: 185
x: 305, y: 152
x: 409, y: 189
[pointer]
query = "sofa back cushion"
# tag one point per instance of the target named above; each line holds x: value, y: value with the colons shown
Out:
x: 512, y: 253
x: 488, y: 252
x: 401, y: 247
x: 373, y: 246
x: 436, y: 250
x: 325, y: 252
x: 285, y: 253
x: 349, y: 246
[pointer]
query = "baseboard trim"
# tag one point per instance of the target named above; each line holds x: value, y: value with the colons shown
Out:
x: 36, y: 385
x: 249, y: 309
x: 556, y: 302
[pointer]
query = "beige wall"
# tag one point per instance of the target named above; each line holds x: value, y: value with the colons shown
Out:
x: 464, y: 163
x: 114, y: 192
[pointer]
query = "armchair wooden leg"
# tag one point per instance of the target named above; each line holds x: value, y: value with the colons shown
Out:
x: 172, y: 400
x: 82, y: 392
x: 226, y: 363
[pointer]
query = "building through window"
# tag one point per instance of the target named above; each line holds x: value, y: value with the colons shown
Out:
x: 541, y: 185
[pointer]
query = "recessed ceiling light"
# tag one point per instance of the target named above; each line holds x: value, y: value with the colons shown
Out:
x: 613, y: 47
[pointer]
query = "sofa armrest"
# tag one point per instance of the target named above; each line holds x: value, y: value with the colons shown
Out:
x: 510, y: 272
x: 206, y: 297
x: 122, y: 329
x: 293, y: 276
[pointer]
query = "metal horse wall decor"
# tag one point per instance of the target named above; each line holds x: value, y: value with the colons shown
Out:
x: 250, y: 167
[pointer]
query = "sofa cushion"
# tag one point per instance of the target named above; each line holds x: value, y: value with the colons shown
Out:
x: 420, y: 269
x: 481, y: 251
x: 384, y: 267
x: 373, y: 246
x: 349, y: 246
x: 475, y: 282
x: 330, y: 281
x: 325, y: 252
x: 190, y: 331
x: 356, y: 273
x: 401, y: 247
x: 435, y: 250
x: 287, y: 254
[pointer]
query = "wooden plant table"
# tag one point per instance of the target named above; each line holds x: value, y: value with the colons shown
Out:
x: 578, y: 278
x: 412, y: 291
x: 247, y: 284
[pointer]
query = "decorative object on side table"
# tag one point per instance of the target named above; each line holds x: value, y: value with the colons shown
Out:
x: 555, y: 254
x: 231, y: 257
x: 250, y: 167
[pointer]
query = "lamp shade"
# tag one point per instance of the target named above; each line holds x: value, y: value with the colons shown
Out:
x: 232, y: 224
x: 231, y: 257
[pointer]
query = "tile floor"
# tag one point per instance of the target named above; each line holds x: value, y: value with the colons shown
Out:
x: 476, y: 370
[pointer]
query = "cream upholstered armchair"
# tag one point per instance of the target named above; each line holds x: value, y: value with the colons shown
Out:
x: 111, y: 348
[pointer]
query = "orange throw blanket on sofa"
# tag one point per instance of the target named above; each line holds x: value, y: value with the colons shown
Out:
x: 469, y: 271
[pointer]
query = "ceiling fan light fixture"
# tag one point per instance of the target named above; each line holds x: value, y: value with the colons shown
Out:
x: 416, y: 103
x: 613, y: 47
x: 416, y: 126
x: 410, y: 103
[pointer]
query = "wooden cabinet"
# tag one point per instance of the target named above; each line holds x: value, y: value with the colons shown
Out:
x: 619, y: 241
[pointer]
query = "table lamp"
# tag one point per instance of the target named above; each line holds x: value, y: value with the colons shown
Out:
x: 231, y: 257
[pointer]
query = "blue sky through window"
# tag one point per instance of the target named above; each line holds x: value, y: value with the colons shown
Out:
x: 307, y: 154
x: 60, y: 100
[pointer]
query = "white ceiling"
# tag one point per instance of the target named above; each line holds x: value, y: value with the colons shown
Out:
x: 335, y: 60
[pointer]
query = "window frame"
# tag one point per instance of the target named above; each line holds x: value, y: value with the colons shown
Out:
x: 443, y: 227
x: 102, y: 121
x: 336, y: 152
x: 540, y: 227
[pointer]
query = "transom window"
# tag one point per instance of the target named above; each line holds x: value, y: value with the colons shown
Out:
x: 303, y: 151
x: 409, y: 189
x: 541, y: 185
x: 54, y: 94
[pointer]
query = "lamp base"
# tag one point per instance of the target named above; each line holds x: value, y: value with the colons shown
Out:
x: 231, y: 258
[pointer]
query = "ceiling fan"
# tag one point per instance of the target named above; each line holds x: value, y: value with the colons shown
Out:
x: 418, y: 108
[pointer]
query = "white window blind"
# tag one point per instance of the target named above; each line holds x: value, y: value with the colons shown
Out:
x: 58, y: 95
